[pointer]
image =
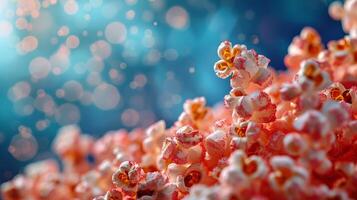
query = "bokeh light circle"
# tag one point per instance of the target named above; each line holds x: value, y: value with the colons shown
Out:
x: 115, y: 32
x: 106, y: 96
x: 39, y: 67
x: 177, y: 17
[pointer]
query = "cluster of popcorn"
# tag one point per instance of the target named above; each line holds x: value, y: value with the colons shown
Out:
x: 290, y: 135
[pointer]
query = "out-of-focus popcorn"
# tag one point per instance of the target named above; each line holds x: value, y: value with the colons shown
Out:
x: 278, y: 136
x: 347, y: 14
x: 306, y: 45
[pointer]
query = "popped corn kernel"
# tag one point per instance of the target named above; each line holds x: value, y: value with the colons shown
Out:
x: 252, y: 167
x: 295, y: 144
x: 312, y: 77
x: 345, y: 13
x: 215, y: 144
x: 243, y: 65
x: 314, y: 123
x: 127, y: 176
x: 113, y: 194
x: 306, y: 45
x: 188, y: 137
x: 286, y: 175
x: 290, y: 135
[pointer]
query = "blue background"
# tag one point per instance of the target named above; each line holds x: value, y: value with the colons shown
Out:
x: 267, y: 26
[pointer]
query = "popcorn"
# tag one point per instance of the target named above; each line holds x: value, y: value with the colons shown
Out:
x: 188, y: 137
x: 294, y: 144
x: 286, y: 175
x: 306, y: 45
x: 288, y: 136
x: 311, y: 77
x: 243, y: 65
x: 127, y: 176
x: 215, y: 144
x: 347, y: 14
x: 252, y: 167
x: 313, y: 123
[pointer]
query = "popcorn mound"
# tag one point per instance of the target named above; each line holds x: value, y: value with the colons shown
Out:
x: 291, y: 135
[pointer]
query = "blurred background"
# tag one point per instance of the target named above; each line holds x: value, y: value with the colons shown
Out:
x: 111, y: 64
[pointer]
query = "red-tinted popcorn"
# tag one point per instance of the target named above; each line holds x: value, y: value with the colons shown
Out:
x: 286, y: 175
x: 188, y: 137
x: 295, y: 144
x: 313, y: 123
x: 312, y: 77
x: 127, y: 176
x: 276, y: 136
x: 216, y: 143
x: 306, y: 45
x: 347, y: 14
x: 252, y: 167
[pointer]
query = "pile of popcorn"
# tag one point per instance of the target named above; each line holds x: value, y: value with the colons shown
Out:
x: 289, y: 135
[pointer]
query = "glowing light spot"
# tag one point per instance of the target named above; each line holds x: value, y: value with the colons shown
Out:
x: 101, y: 49
x: 72, y: 42
x: 71, y: 7
x: 177, y: 17
x: 67, y: 114
x: 130, y: 117
x: 6, y: 28
x: 106, y: 96
x: 152, y: 57
x: 63, y: 31
x: 42, y: 124
x: 130, y: 15
x: 21, y: 23
x: 19, y: 91
x: 191, y: 70
x: 115, y: 33
x: 39, y: 67
x: 24, y: 106
x: 23, y: 147
x: 45, y: 103
x: 139, y: 81
x: 28, y: 44
x: 115, y: 76
x: 73, y: 90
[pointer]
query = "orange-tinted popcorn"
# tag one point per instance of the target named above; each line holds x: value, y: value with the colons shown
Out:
x: 347, y: 14
x: 243, y: 65
x: 311, y: 77
x: 286, y: 175
x: 256, y: 107
x: 127, y: 176
x: 295, y: 144
x: 73, y: 148
x: 306, y: 45
x: 188, y: 137
x: 216, y: 143
x: 290, y: 135
x: 195, y: 114
x: 252, y: 167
